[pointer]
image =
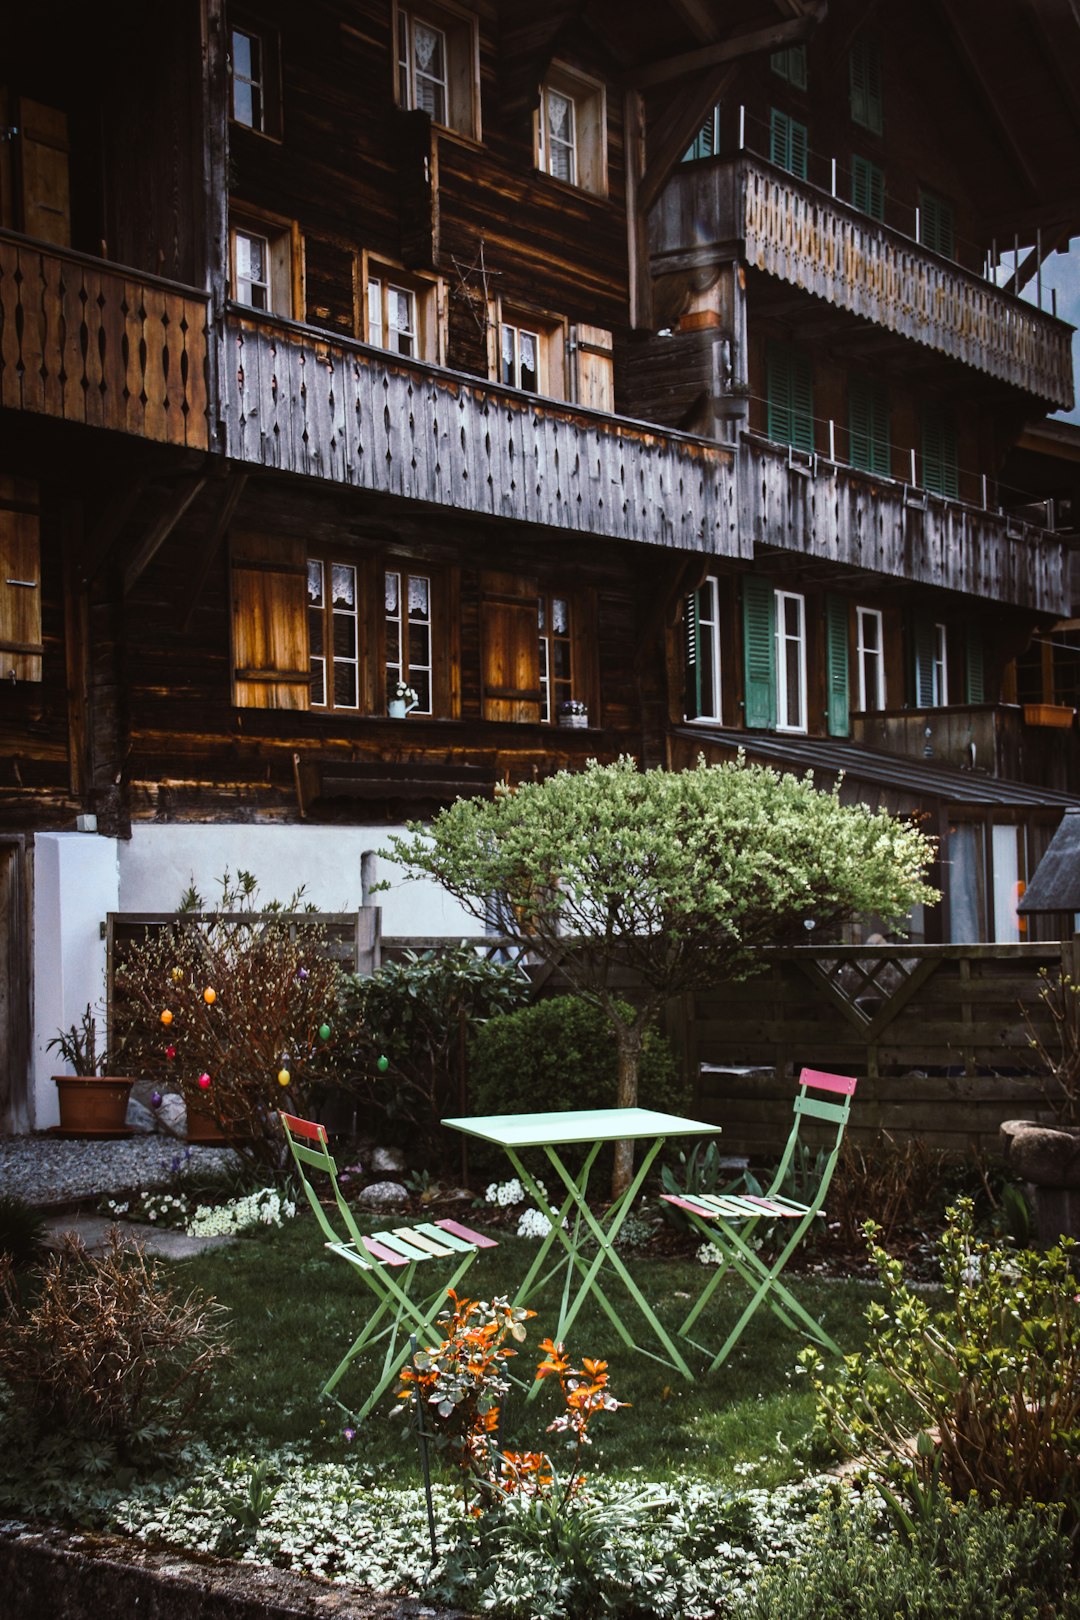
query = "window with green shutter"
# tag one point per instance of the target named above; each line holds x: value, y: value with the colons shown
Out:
x: 940, y: 461
x: 706, y: 142
x: 836, y: 662
x: 937, y: 225
x: 975, y: 681
x: 788, y: 143
x: 759, y: 652
x: 864, y: 75
x: 789, y: 388
x: 867, y: 187
x: 701, y: 621
x: 928, y: 662
x: 790, y: 65
x: 868, y: 425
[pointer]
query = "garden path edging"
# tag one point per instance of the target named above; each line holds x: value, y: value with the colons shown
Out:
x: 83, y: 1576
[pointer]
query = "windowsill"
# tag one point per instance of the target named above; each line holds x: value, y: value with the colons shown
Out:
x: 258, y: 134
x: 575, y: 190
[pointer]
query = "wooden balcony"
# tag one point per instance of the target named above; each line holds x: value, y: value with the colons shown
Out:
x: 809, y: 505
x: 90, y: 342
x: 990, y: 739
x: 818, y: 243
x: 299, y: 401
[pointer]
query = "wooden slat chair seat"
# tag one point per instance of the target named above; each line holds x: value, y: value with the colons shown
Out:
x: 386, y: 1261
x: 729, y: 1222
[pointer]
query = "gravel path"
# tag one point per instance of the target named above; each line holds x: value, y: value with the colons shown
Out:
x: 47, y: 1172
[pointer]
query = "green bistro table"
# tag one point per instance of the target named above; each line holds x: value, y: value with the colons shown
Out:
x: 592, y: 1126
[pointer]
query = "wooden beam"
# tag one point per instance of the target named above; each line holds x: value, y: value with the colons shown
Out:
x: 159, y: 531
x: 672, y: 133
x: 230, y: 500
x: 993, y: 105
x: 699, y: 17
x: 1033, y: 263
x: 732, y: 49
x: 1065, y: 83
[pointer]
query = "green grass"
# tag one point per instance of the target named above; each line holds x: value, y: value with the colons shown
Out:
x: 295, y: 1310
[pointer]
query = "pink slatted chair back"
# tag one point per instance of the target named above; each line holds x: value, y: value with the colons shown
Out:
x: 840, y: 1083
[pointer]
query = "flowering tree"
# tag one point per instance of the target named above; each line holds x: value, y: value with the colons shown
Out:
x: 677, y: 876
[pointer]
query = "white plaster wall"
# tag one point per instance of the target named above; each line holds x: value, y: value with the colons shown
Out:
x: 76, y: 882
x: 160, y: 861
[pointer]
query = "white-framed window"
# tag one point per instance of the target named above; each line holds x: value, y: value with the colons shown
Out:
x: 260, y: 253
x: 870, y: 649
x: 402, y: 312
x: 790, y: 661
x: 571, y: 130
x: 255, y: 78
x: 438, y: 66
x: 703, y: 689
x: 520, y: 358
x: 556, y: 654
x: 527, y: 350
x: 333, y: 633
x: 940, y: 668
x: 407, y: 618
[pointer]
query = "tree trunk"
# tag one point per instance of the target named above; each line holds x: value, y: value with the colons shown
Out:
x: 629, y: 1039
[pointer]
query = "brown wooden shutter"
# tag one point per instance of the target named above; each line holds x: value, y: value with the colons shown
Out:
x: 511, y: 648
x: 594, y: 384
x: 41, y: 152
x: 20, y: 580
x: 269, y: 622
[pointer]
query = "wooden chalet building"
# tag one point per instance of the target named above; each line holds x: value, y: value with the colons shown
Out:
x: 648, y: 359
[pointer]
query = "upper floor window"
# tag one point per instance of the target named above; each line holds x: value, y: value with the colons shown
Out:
x: 929, y: 662
x: 333, y: 620
x: 868, y: 425
x: 254, y: 65
x: 867, y: 187
x: 403, y: 313
x: 407, y: 621
x: 937, y: 224
x: 789, y: 388
x: 261, y: 255
x: 520, y: 357
x: 702, y: 624
x: 940, y: 457
x: 571, y: 130
x: 864, y: 81
x: 870, y: 650
x: 940, y: 667
x: 789, y: 144
x: 790, y: 661
x: 556, y: 654
x: 529, y: 352
x: 790, y: 65
x: 438, y: 66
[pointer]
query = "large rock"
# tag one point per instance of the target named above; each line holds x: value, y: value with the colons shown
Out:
x: 1041, y: 1154
x: 383, y: 1194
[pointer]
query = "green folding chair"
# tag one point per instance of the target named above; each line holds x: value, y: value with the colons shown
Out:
x: 729, y: 1222
x: 386, y: 1262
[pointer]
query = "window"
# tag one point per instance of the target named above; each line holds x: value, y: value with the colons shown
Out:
x: 269, y: 603
x: 571, y: 131
x: 333, y: 618
x: 706, y: 142
x: 254, y: 66
x: 408, y: 624
x: 20, y: 581
x: 790, y: 661
x: 788, y: 143
x: 702, y: 623
x: 870, y: 651
x: 868, y: 425
x: 520, y: 360
x: 790, y: 65
x: 940, y: 459
x: 438, y: 67
x: 937, y: 225
x: 939, y: 690
x: 789, y: 386
x: 867, y: 187
x: 864, y: 78
x: 837, y: 701
x: 929, y: 663
x: 261, y: 254
x: 556, y: 647
x: 403, y: 313
x: 530, y: 352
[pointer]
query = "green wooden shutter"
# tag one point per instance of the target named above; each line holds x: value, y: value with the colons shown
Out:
x: 867, y: 187
x: 790, y: 65
x: 937, y: 224
x: 759, y: 652
x: 706, y: 142
x: 867, y: 100
x: 789, y: 386
x: 789, y: 144
x: 692, y: 658
x: 921, y: 630
x: 973, y: 655
x: 868, y: 425
x: 940, y: 460
x: 836, y: 661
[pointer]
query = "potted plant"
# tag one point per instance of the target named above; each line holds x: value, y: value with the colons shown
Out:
x: 92, y: 1101
x: 401, y: 700
x: 1045, y: 1153
x: 572, y: 712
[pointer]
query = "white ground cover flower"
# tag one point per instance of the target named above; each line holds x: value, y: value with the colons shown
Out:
x: 263, y: 1208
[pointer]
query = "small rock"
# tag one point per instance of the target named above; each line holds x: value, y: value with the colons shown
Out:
x: 387, y: 1160
x: 172, y: 1115
x: 381, y: 1194
x: 140, y: 1119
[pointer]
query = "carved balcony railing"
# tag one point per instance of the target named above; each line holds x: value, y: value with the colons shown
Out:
x: 302, y: 402
x: 94, y: 343
x: 822, y: 509
x: 816, y: 242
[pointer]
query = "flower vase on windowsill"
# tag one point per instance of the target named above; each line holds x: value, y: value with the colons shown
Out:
x: 400, y: 700
x: 573, y: 713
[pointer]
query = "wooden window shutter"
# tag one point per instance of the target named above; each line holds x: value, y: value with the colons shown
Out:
x: 867, y: 101
x: 692, y: 658
x: 790, y: 389
x: 269, y: 622
x: 759, y: 652
x: 937, y: 225
x: 789, y: 144
x: 975, y: 679
x: 20, y: 580
x: 867, y: 187
x: 921, y: 632
x: 868, y: 425
x: 510, y: 648
x: 836, y: 661
x: 940, y: 460
x: 41, y: 151
x: 594, y: 384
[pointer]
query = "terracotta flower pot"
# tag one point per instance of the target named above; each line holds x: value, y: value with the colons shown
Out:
x: 92, y: 1104
x: 203, y: 1127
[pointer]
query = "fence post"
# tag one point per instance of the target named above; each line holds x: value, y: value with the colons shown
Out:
x: 368, y: 940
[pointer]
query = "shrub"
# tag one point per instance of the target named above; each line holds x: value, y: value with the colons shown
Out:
x: 963, y: 1562
x: 108, y: 1349
x: 992, y: 1383
x: 22, y: 1231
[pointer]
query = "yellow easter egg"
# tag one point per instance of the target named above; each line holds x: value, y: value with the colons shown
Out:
x: 283, y: 1077
x: 166, y: 1017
